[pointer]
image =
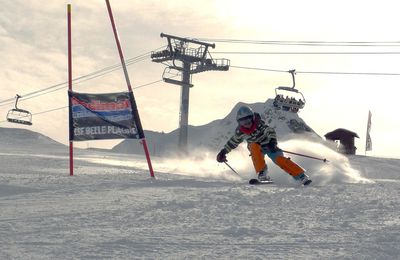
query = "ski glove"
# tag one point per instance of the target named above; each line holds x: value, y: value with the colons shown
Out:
x: 221, y: 157
x: 273, y: 146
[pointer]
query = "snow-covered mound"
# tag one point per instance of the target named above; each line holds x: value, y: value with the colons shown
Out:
x: 214, y: 135
x: 21, y: 139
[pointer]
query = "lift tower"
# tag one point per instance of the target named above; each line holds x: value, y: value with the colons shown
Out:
x: 192, y: 60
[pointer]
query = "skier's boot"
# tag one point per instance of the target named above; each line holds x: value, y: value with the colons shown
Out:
x: 263, y: 176
x: 305, y: 180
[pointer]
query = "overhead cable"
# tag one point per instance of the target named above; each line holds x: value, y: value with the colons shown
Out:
x: 321, y: 72
x: 307, y: 53
x: 79, y: 79
x: 310, y: 43
x: 59, y: 108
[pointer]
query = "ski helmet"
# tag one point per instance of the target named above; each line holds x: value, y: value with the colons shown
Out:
x: 244, y: 112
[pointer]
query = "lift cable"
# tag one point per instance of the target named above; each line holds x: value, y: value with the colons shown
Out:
x: 307, y: 53
x: 253, y: 68
x: 79, y: 79
x: 59, y: 108
x: 311, y: 43
x: 321, y: 72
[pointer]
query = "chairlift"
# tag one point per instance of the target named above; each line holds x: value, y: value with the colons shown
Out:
x: 172, y: 72
x: 289, y: 98
x: 19, y: 116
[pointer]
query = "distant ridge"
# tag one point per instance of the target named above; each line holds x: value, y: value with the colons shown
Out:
x: 214, y: 135
x: 19, y: 138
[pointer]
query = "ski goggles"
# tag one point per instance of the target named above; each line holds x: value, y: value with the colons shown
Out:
x: 248, y: 120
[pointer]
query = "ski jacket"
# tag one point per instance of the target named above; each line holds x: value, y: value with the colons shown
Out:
x: 259, y: 133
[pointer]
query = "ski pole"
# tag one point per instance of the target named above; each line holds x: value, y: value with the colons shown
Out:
x: 230, y: 167
x: 308, y: 156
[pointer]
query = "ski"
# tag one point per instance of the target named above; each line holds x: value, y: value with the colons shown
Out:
x: 258, y: 182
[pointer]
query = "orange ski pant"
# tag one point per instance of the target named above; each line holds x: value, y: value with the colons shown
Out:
x: 257, y: 155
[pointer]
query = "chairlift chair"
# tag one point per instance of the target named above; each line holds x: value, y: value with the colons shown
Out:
x: 289, y: 98
x: 172, y: 72
x: 19, y: 116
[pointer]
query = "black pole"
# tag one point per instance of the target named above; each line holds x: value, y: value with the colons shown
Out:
x: 307, y: 156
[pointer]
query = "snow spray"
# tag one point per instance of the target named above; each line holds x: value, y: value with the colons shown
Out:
x: 337, y: 170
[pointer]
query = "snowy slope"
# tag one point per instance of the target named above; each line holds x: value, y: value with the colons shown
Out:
x: 14, y: 139
x: 214, y: 135
x: 196, y: 208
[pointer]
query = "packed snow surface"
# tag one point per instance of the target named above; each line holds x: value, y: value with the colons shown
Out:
x: 195, y: 208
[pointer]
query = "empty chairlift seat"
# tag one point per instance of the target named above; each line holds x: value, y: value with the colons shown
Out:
x: 19, y: 116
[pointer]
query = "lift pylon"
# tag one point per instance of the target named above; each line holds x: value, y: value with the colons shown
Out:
x: 191, y: 60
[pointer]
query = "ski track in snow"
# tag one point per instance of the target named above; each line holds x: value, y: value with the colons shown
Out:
x: 195, y: 209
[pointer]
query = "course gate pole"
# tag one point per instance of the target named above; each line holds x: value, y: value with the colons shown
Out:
x: 128, y: 83
x: 71, y: 146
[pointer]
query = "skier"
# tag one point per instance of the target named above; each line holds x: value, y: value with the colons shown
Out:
x: 261, y: 139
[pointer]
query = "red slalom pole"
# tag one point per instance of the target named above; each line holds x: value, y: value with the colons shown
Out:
x: 71, y: 146
x: 128, y: 83
x: 307, y: 156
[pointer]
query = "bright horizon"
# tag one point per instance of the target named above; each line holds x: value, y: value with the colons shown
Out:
x: 34, y: 57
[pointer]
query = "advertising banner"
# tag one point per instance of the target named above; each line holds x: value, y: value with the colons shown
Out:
x: 102, y: 116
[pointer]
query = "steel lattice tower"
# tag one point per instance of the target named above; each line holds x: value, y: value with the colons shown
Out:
x: 192, y: 60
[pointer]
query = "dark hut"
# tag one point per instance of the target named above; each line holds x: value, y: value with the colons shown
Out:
x: 346, y: 139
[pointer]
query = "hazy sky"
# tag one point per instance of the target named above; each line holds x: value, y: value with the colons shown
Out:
x: 33, y: 49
